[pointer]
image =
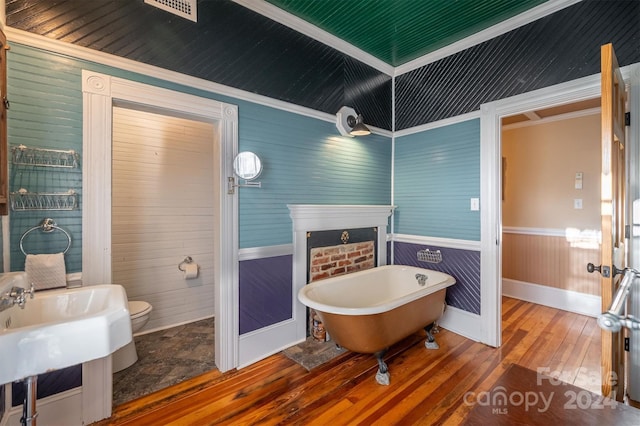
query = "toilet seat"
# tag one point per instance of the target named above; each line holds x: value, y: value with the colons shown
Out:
x: 138, y: 308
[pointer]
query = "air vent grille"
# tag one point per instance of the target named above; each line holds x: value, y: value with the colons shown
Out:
x: 184, y: 8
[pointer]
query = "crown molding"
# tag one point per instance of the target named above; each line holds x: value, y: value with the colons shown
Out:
x: 87, y: 54
x: 84, y: 53
x: 285, y: 18
x: 436, y: 124
x: 289, y: 20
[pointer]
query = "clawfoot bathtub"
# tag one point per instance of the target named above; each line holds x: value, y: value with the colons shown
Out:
x: 368, y: 311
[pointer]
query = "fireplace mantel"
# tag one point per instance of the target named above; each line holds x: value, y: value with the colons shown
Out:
x: 324, y: 217
x: 319, y: 217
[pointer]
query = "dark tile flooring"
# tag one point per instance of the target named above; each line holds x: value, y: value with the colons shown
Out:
x: 165, y: 358
x: 179, y: 353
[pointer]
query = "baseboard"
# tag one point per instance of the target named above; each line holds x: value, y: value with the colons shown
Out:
x: 266, y: 341
x: 461, y: 322
x: 567, y: 300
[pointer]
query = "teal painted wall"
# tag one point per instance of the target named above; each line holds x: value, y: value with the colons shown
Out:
x: 305, y: 162
x: 45, y: 112
x: 305, y: 159
x: 436, y: 173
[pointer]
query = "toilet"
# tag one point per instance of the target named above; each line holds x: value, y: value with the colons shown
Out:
x: 127, y: 355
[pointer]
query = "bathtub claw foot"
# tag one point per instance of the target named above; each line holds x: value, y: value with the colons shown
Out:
x: 383, y: 378
x: 431, y: 345
x: 431, y: 341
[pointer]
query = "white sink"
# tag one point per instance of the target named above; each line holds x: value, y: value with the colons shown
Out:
x: 60, y: 328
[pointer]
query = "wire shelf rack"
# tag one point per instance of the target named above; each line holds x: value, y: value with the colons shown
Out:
x: 22, y: 155
x: 23, y: 200
x: 430, y: 256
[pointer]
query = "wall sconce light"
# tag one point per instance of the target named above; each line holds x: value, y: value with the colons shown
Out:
x: 349, y: 123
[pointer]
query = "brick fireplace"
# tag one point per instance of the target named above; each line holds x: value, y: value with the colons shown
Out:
x: 337, y: 252
x: 342, y: 259
x: 330, y: 240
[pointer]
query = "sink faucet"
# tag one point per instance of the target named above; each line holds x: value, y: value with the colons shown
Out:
x: 16, y: 296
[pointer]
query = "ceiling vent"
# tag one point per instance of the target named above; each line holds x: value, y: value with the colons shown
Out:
x: 184, y: 8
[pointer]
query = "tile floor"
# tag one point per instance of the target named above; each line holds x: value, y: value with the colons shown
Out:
x: 165, y: 358
x: 176, y: 354
x: 312, y: 353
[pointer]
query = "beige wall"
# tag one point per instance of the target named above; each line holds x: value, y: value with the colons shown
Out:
x: 541, y: 163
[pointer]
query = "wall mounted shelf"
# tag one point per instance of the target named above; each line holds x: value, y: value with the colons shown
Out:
x: 22, y: 155
x: 24, y: 200
x: 430, y: 256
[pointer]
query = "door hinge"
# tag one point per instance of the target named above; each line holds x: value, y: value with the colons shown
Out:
x: 626, y: 344
x: 627, y: 231
x: 5, y: 100
x: 627, y: 119
x: 231, y: 185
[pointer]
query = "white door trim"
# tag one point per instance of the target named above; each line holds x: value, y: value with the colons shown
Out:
x: 491, y: 180
x: 100, y: 92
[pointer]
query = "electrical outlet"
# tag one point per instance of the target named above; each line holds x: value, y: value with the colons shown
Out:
x: 577, y: 203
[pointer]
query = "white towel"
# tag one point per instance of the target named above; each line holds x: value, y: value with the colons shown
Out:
x: 46, y: 270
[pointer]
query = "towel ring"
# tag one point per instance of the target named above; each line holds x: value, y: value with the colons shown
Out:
x: 47, y: 225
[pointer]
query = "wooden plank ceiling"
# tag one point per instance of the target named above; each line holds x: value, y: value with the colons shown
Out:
x: 398, y: 31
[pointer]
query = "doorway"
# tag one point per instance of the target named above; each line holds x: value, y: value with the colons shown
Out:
x: 491, y: 187
x: 100, y: 93
x: 551, y: 228
x: 163, y: 211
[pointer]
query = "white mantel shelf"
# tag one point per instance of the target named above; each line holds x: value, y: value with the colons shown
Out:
x: 315, y: 217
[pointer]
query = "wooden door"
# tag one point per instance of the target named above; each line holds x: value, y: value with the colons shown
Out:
x: 4, y: 161
x: 613, y: 214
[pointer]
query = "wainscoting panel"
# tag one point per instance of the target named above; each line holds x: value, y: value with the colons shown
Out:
x: 550, y: 260
x: 265, y: 292
x: 463, y: 265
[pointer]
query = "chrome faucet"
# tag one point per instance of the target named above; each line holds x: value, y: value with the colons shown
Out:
x: 422, y: 279
x: 16, y: 296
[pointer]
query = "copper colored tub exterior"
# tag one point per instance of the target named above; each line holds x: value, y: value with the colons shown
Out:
x: 373, y: 332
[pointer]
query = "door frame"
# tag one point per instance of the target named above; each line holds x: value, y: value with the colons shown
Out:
x: 491, y: 180
x: 100, y: 92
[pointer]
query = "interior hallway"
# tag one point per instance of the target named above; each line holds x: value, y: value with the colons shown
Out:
x: 427, y: 387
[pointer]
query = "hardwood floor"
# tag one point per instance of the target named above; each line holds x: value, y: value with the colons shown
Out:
x: 427, y: 386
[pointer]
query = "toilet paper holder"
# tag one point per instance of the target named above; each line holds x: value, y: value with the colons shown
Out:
x: 187, y: 260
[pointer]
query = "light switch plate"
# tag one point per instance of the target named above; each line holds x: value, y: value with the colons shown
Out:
x: 475, y: 204
x: 577, y: 203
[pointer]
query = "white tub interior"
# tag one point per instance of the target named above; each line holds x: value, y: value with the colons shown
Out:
x: 372, y: 291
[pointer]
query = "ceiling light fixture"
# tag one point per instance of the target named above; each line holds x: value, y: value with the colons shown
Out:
x: 349, y: 123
